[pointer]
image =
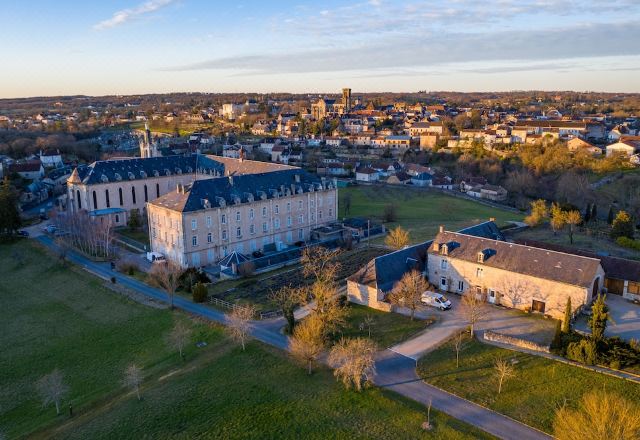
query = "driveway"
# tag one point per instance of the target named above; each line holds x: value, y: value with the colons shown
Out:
x: 625, y: 316
x: 498, y: 319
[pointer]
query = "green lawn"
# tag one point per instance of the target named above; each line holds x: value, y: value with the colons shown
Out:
x: 141, y: 235
x: 57, y: 317
x: 420, y: 211
x: 387, y: 329
x: 532, y: 396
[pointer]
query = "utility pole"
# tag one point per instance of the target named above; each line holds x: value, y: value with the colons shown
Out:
x: 368, y: 232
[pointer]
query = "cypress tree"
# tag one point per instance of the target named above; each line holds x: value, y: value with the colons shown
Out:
x: 566, y: 322
x: 610, y: 215
x: 587, y: 213
x: 594, y: 212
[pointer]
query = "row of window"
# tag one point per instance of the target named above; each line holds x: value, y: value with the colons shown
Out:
x: 444, y: 265
x: 276, y: 221
x: 194, y: 239
x: 107, y: 196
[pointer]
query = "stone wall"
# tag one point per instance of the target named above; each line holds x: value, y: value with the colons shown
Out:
x: 511, y: 340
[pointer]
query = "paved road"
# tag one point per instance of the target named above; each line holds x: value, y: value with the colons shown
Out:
x: 397, y: 373
x: 625, y: 316
x: 394, y: 371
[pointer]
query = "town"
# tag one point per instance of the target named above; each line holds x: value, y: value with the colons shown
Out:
x: 331, y: 262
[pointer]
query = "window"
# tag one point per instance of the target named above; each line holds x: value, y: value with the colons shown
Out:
x: 157, y: 190
x: 194, y: 224
x: 133, y: 194
x: 289, y: 221
x: 106, y: 198
x: 264, y: 211
x: 117, y: 218
x: 460, y: 286
x: 479, y: 272
x: 319, y: 215
x: 146, y: 195
x: 79, y: 201
x: 444, y: 264
x: 276, y: 223
x: 301, y: 218
x: 480, y: 257
x: 330, y: 212
x: 252, y: 229
x: 313, y: 203
x: 633, y: 287
x: 194, y: 241
x: 238, y: 232
x: 320, y: 201
x: 251, y: 213
x: 95, y: 200
x: 209, y: 237
x: 313, y: 216
x: 300, y: 204
x: 443, y: 283
x: 120, y: 196
x: 264, y: 227
x: 276, y: 209
x: 300, y: 234
x: 223, y: 219
x: 153, y: 232
x: 224, y: 234
x: 288, y: 206
x: 208, y: 221
x: 237, y: 216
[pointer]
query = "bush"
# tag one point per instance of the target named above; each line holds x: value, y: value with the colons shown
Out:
x: 199, y: 293
x: 584, y: 351
x: 128, y: 268
x: 190, y: 277
x: 628, y: 243
x: 343, y: 300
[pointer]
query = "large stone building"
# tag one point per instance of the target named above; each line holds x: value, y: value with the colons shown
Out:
x: 199, y: 224
x: 326, y: 106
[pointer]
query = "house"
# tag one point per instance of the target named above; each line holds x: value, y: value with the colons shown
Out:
x: 51, y: 158
x: 471, y: 182
x: 442, y: 182
x: 429, y: 140
x: 493, y: 192
x: 419, y: 128
x: 422, y: 179
x: 30, y: 170
x: 277, y: 152
x: 367, y: 174
x: 577, y: 144
x: 627, y: 145
x: 398, y: 141
x: 372, y: 283
x: 399, y: 178
x: 333, y: 141
x: 513, y: 275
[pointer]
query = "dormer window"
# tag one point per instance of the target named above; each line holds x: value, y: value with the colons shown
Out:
x: 480, y: 257
x: 444, y: 249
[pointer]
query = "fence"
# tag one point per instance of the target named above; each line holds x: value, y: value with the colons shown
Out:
x: 231, y: 306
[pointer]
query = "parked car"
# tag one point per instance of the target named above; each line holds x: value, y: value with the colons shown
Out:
x: 50, y: 229
x: 155, y: 257
x: 435, y: 299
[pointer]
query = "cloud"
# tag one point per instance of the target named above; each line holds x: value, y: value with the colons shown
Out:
x: 125, y: 15
x: 401, y: 52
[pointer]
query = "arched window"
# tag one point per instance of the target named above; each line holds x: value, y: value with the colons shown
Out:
x: 157, y: 190
x: 95, y: 200
x: 106, y: 198
x: 120, y: 195
x: 146, y: 197
x: 133, y: 194
x: 79, y: 201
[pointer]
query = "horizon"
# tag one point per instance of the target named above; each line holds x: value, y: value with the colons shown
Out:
x: 138, y: 47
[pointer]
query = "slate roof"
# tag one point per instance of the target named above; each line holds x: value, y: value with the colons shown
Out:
x: 384, y: 271
x: 242, y: 188
x: 526, y: 260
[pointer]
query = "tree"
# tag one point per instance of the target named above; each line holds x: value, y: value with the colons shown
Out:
x: 133, y: 378
x: 9, y: 213
x: 307, y: 342
x: 622, y: 226
x: 179, y: 337
x: 610, y: 215
x: 353, y: 361
x: 556, y: 342
x: 199, y: 293
x: 473, y: 309
x: 594, y: 212
x: 504, y: 370
x: 572, y: 188
x: 135, y: 221
x: 557, y: 218
x: 52, y: 389
x: 368, y: 323
x: 346, y: 202
x: 239, y: 322
x: 408, y: 291
x: 398, y: 238
x: 166, y: 276
x: 566, y: 322
x: 572, y: 218
x: 599, y: 318
x: 587, y: 213
x: 287, y: 298
x: 459, y: 345
x: 539, y: 212
x: 600, y: 416
x: 390, y: 213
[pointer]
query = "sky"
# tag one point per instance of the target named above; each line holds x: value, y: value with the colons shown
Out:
x: 66, y: 47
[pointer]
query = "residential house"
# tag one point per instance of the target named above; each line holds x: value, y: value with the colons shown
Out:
x: 367, y: 174
x: 51, y: 158
x: 577, y: 144
x: 31, y: 170
x: 422, y: 179
x: 399, y: 178
x: 627, y: 145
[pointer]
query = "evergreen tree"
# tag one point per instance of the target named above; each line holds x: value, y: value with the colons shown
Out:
x: 622, y: 226
x: 610, y: 215
x: 600, y: 316
x: 566, y: 323
x: 9, y: 213
x: 557, y: 336
x: 594, y: 212
x: 587, y: 213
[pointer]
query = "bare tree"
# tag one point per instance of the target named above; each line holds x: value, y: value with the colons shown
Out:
x: 239, y: 322
x: 459, y: 345
x: 600, y: 416
x: 346, y: 202
x: 62, y: 249
x: 179, y: 337
x: 390, y: 213
x: 52, y: 389
x: 572, y: 218
x: 408, y: 291
x: 133, y: 378
x: 167, y: 277
x: 398, y: 238
x: 353, y: 361
x: 504, y: 371
x: 473, y: 308
x: 307, y: 343
x: 368, y: 322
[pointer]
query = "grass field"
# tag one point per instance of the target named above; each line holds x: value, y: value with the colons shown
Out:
x: 532, y: 396
x: 387, y: 329
x: 420, y: 211
x: 55, y: 317
x: 141, y: 235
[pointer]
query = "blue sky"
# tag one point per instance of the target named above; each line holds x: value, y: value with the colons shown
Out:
x: 132, y: 46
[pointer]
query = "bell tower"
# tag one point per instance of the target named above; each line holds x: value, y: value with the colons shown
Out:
x: 346, y: 99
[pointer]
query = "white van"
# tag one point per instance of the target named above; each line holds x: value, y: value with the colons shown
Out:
x: 435, y: 299
x: 155, y: 257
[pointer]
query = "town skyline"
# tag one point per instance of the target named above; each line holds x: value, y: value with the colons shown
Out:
x: 164, y: 46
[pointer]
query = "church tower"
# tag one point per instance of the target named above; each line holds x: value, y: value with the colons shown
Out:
x: 147, y: 147
x: 346, y: 99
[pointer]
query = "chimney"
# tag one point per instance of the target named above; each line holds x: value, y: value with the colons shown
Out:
x: 241, y: 154
x: 441, y: 228
x: 492, y: 219
x: 179, y: 188
x: 230, y: 179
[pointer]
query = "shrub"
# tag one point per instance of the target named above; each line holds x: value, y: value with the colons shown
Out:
x: 584, y: 351
x: 190, y: 277
x: 628, y: 243
x: 199, y: 293
x: 128, y: 268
